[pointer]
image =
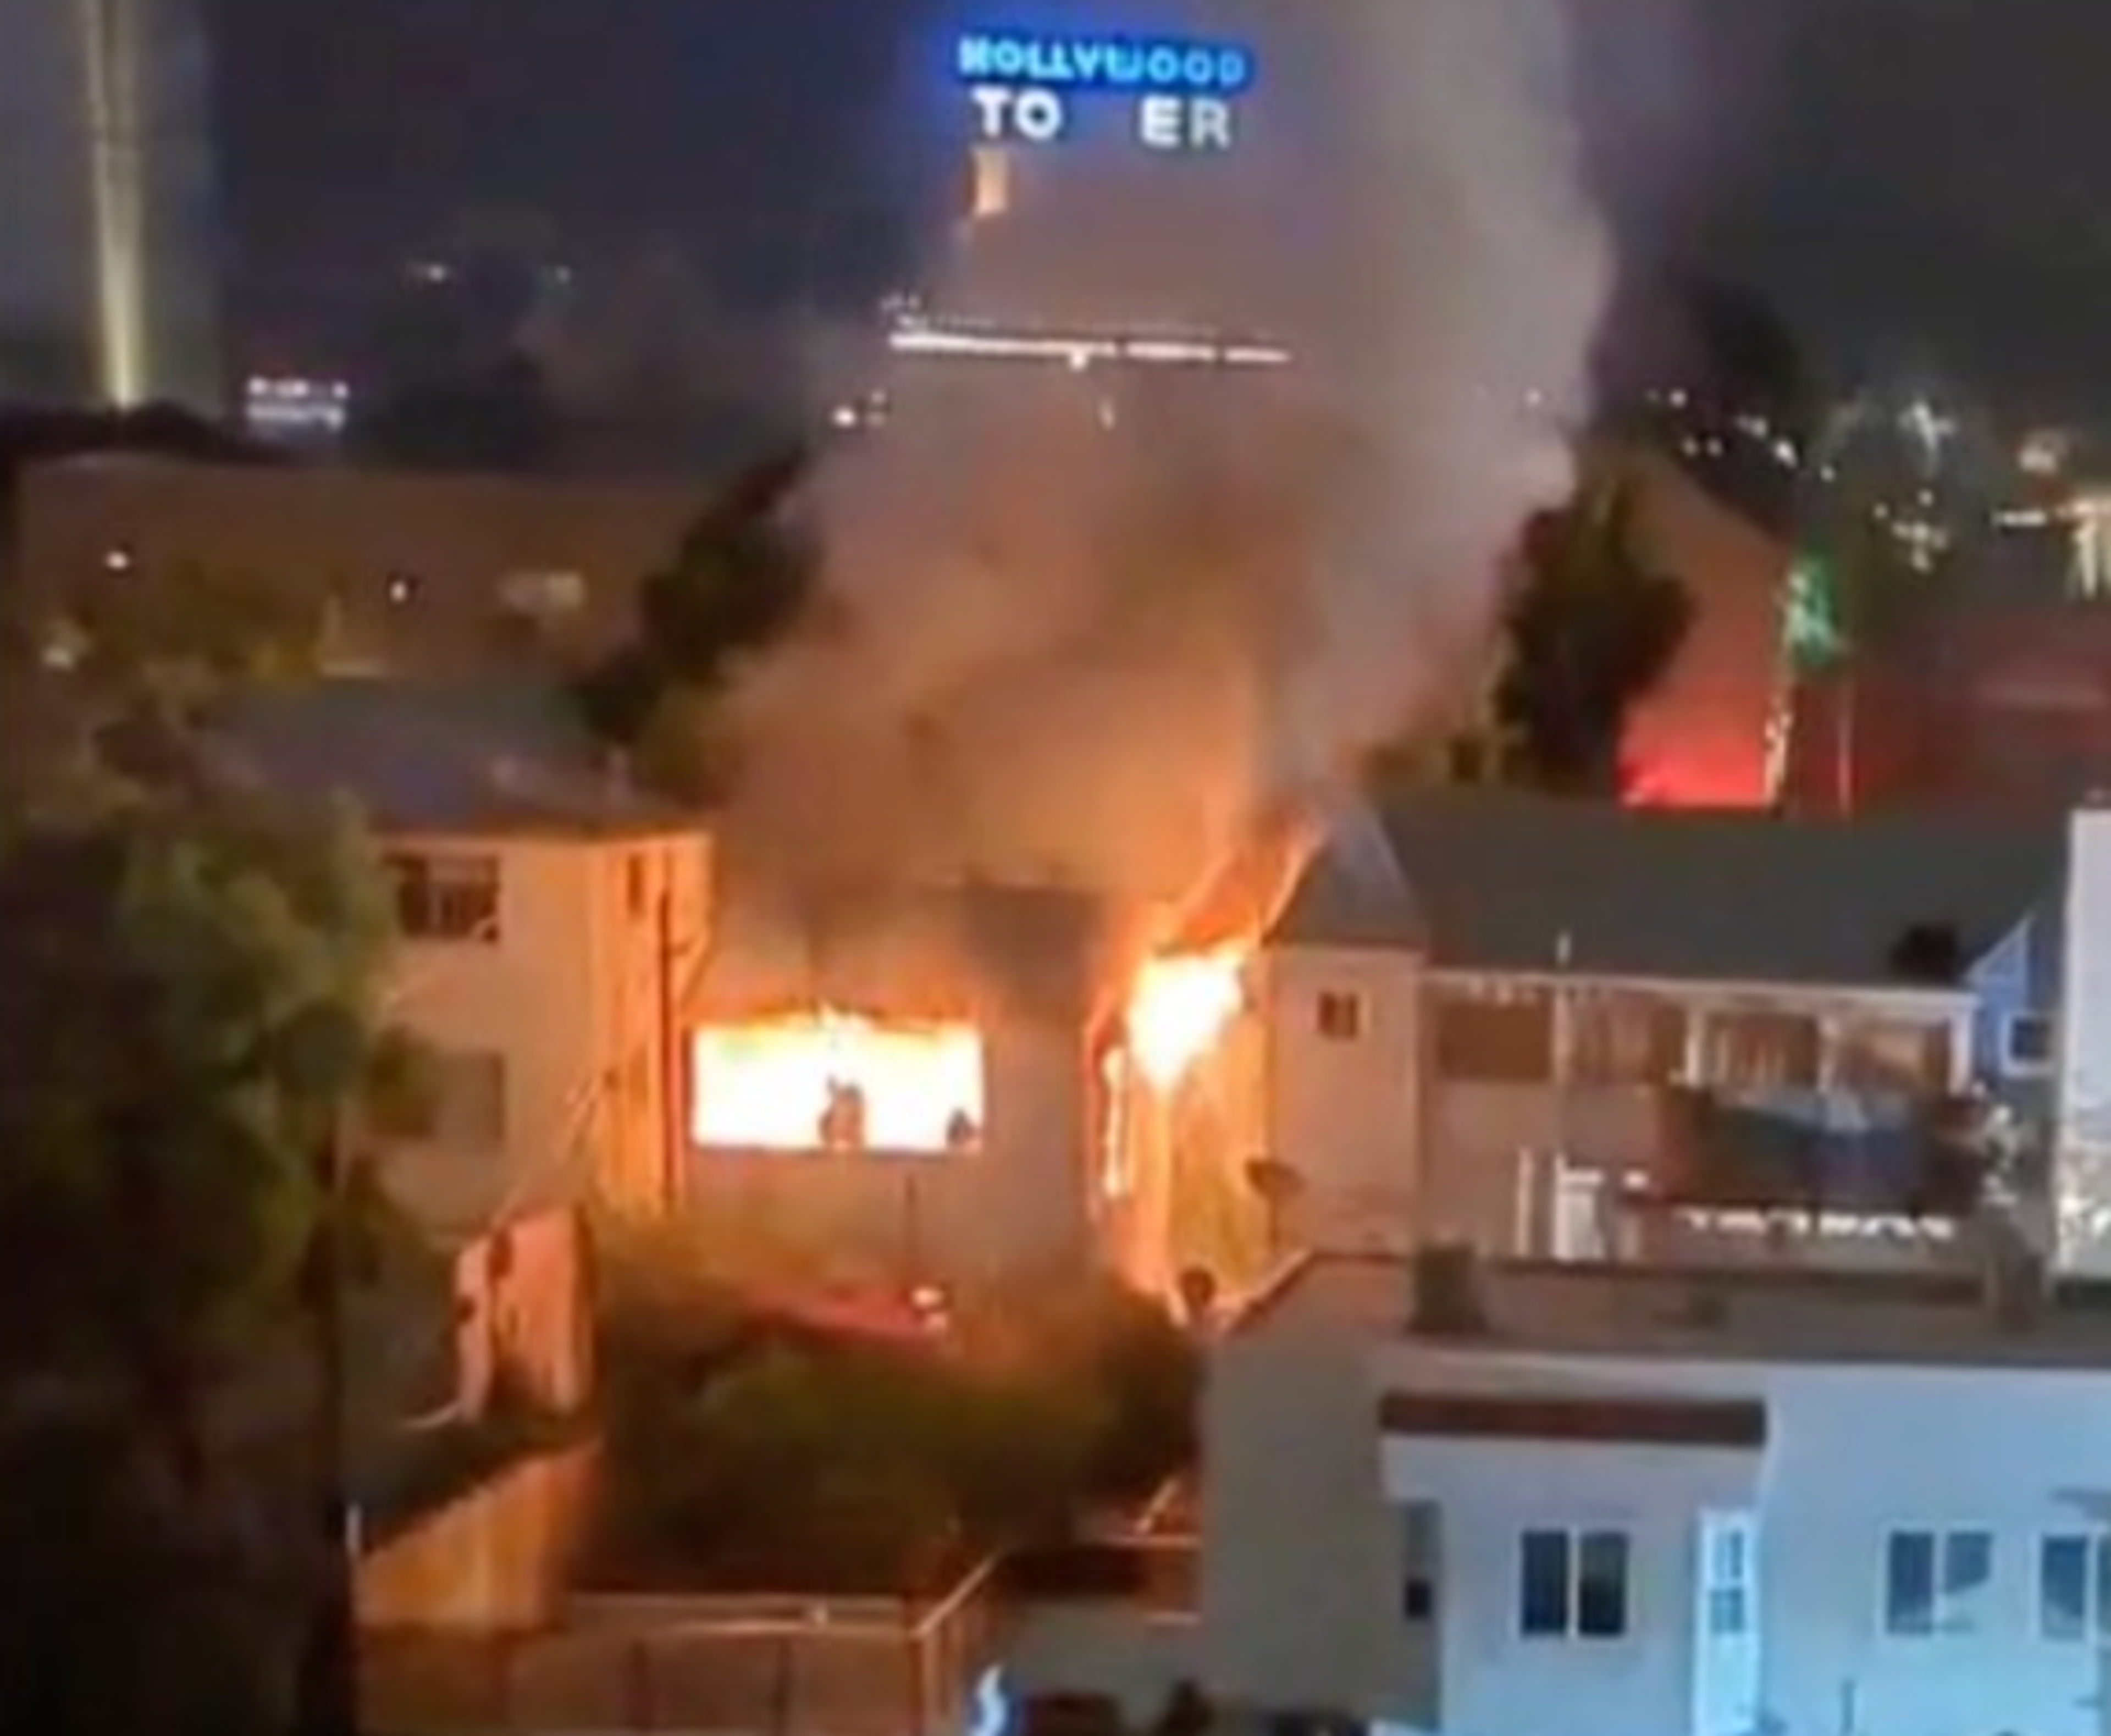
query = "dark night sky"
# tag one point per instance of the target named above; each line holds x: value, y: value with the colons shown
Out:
x: 1921, y: 182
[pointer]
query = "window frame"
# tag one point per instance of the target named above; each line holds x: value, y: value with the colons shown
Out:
x: 2095, y: 1626
x: 1576, y: 1541
x: 2016, y: 1067
x: 1944, y: 1622
x: 418, y: 879
x: 1348, y: 1031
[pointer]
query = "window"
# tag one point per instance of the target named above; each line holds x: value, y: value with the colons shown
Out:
x: 1936, y: 1582
x: 1340, y: 1017
x: 636, y: 886
x: 1493, y: 1035
x: 1573, y: 1585
x: 447, y: 897
x: 2026, y: 1044
x: 1420, y: 1562
x: 1729, y: 1577
x: 461, y: 1108
x: 2074, y: 1587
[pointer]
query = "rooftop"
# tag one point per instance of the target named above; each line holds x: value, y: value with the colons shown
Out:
x: 1716, y: 1314
x: 1520, y: 884
x: 446, y: 760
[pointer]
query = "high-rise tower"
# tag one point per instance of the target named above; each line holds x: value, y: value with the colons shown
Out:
x: 108, y: 288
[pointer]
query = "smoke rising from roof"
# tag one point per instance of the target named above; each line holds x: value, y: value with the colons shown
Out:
x: 1065, y: 651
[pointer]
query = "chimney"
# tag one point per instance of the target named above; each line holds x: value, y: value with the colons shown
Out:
x: 1446, y: 1300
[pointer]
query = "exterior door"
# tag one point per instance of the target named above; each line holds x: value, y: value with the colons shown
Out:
x: 1726, y: 1617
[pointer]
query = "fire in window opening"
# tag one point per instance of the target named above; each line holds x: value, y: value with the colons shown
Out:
x: 1180, y: 1009
x: 834, y: 1082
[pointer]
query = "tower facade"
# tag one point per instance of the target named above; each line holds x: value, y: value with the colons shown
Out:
x: 109, y: 289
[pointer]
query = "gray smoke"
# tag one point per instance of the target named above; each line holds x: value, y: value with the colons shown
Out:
x: 1063, y: 652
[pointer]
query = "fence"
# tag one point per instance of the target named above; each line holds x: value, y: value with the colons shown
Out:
x: 753, y: 1666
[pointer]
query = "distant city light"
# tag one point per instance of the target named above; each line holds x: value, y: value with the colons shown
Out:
x: 1077, y: 350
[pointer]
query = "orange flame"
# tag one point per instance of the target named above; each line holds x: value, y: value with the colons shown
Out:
x: 1180, y: 1008
x: 787, y: 1083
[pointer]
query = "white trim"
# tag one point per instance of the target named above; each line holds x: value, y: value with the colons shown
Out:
x: 1573, y: 1535
x: 1716, y: 994
x: 2095, y: 1617
x: 1940, y: 1533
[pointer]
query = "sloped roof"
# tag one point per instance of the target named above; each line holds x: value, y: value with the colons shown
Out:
x: 965, y: 952
x: 1354, y: 893
x: 447, y: 758
x: 1521, y: 884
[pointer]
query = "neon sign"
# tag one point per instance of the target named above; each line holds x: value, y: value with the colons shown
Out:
x: 1181, y: 95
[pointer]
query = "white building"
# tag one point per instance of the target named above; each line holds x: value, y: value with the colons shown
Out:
x: 552, y: 925
x: 1601, y: 1501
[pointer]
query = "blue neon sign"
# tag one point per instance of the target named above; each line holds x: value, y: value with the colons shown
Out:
x: 1183, y: 94
x: 1160, y: 65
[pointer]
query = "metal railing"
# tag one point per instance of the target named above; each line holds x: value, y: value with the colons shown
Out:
x: 744, y: 1666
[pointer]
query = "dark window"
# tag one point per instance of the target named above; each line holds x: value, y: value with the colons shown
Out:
x: 447, y: 897
x: 2074, y: 1587
x: 1543, y: 1585
x: 1602, y: 1585
x: 1573, y: 1585
x: 2028, y: 1042
x: 637, y: 885
x: 1909, y: 1584
x: 1341, y: 1016
x: 1934, y: 1581
x: 1421, y: 1563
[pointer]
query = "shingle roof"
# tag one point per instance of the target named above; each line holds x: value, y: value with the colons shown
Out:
x: 445, y: 759
x: 1513, y: 883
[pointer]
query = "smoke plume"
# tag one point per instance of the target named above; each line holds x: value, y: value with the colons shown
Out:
x: 1097, y: 631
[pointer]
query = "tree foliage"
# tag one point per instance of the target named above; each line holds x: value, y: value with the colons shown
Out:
x: 188, y: 986
x: 1591, y: 631
x: 743, y: 578
x: 752, y: 1450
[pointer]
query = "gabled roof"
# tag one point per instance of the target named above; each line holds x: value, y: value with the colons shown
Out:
x: 1353, y: 893
x: 473, y: 760
x: 1511, y: 884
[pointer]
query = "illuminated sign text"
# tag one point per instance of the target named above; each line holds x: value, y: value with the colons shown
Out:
x: 1180, y: 96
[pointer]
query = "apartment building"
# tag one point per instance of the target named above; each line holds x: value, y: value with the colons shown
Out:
x: 1527, y: 1498
x: 552, y: 922
x: 1718, y: 1011
x: 416, y: 576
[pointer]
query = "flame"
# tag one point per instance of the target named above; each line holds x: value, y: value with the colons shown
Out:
x: 1180, y: 1007
x: 788, y: 1084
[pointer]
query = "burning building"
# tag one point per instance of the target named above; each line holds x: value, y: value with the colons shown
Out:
x: 941, y: 1084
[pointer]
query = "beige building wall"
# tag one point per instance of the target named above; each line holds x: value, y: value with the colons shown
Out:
x: 1021, y: 1199
x: 421, y: 574
x: 1344, y: 1105
x: 576, y: 994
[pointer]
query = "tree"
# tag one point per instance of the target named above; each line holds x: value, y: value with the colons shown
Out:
x: 189, y: 982
x: 1591, y: 630
x: 743, y: 578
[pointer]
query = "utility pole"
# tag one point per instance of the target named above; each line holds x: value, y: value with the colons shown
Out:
x: 329, y: 1687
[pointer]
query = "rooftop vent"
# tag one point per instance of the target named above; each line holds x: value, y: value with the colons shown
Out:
x: 1447, y: 1300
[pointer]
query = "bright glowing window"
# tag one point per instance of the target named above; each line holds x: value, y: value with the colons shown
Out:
x: 829, y: 1082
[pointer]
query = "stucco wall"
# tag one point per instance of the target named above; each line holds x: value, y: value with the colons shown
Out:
x: 1020, y: 1199
x: 344, y: 535
x: 497, y: 1560
x: 1346, y: 1114
x: 1304, y: 1547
